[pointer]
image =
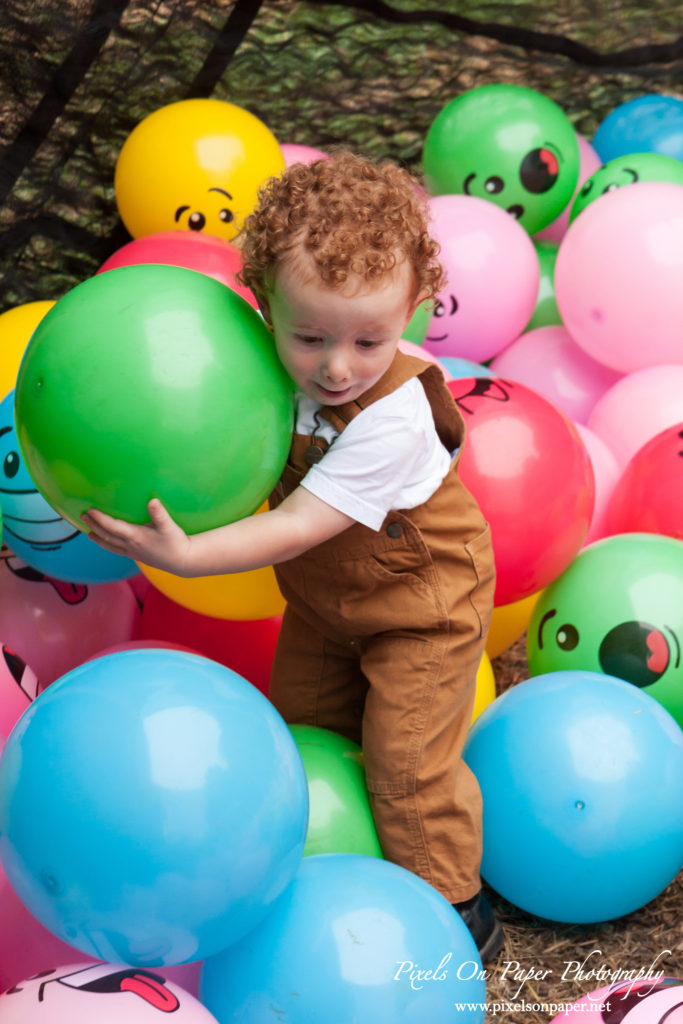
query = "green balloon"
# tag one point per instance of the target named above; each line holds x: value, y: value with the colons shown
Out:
x: 508, y: 144
x: 154, y: 381
x: 418, y: 325
x: 546, y: 313
x: 617, y: 609
x: 340, y: 819
x: 626, y: 170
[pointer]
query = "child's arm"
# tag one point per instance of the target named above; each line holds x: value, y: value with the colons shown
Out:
x: 301, y: 522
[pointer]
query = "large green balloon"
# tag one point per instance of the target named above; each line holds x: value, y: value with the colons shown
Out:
x: 506, y: 143
x: 617, y: 609
x: 340, y: 819
x: 626, y: 170
x: 154, y: 381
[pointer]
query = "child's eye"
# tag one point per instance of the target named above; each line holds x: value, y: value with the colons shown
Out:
x: 308, y: 339
x: 363, y: 343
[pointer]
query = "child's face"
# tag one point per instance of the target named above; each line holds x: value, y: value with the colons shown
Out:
x: 335, y: 344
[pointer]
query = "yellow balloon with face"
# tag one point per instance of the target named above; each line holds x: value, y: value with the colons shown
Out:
x: 194, y: 165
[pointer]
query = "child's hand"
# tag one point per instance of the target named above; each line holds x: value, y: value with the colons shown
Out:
x: 160, y: 543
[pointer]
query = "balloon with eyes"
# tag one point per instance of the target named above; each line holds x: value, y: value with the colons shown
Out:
x: 508, y: 144
x: 36, y: 532
x: 617, y: 609
x: 627, y: 170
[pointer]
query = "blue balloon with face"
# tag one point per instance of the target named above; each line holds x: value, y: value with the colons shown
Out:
x: 36, y: 532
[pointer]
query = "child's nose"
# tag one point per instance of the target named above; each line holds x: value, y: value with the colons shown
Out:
x: 336, y: 367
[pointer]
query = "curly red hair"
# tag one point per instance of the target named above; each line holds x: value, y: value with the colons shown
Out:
x: 352, y: 218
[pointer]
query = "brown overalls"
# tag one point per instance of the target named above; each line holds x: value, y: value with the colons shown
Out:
x: 381, y: 640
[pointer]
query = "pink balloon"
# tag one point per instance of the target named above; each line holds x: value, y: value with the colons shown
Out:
x: 618, y: 277
x: 606, y: 472
x: 207, y: 254
x: 85, y: 992
x: 18, y: 687
x: 492, y: 273
x: 589, y: 163
x: 638, y: 406
x: 411, y: 349
x: 641, y: 1001
x: 26, y: 947
x: 297, y: 154
x: 54, y: 626
x: 548, y: 360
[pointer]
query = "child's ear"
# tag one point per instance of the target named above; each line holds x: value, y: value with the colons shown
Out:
x: 421, y: 297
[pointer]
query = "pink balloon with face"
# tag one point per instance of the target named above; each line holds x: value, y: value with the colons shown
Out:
x: 99, y: 993
x: 548, y: 360
x: 606, y: 472
x: 54, y: 626
x: 645, y: 1001
x: 589, y: 164
x: 638, y: 407
x: 298, y: 154
x: 618, y: 276
x: 492, y: 278
x: 18, y: 687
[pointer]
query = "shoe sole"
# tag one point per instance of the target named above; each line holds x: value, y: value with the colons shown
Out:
x: 493, y: 944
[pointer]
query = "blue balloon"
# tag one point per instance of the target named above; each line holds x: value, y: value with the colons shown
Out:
x: 581, y: 776
x: 36, y: 532
x: 648, y: 124
x: 353, y: 938
x: 153, y: 806
x: 459, y: 367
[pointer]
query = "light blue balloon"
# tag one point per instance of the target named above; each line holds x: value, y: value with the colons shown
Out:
x: 36, y: 532
x: 344, y: 944
x: 153, y: 806
x: 581, y: 775
x: 459, y: 368
x: 648, y: 124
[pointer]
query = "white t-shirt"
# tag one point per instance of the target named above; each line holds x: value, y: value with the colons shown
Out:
x: 388, y: 457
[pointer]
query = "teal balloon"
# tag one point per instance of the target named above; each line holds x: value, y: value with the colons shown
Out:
x: 546, y: 313
x: 154, y: 381
x: 626, y: 170
x: 508, y: 144
x: 340, y: 819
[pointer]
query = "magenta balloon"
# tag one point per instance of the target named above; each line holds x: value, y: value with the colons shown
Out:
x: 549, y: 360
x: 493, y: 275
x: 618, y: 277
x: 638, y: 406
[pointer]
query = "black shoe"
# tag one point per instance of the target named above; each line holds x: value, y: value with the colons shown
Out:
x: 486, y: 930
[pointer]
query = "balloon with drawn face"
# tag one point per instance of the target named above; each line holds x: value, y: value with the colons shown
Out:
x: 645, y: 1001
x: 100, y: 993
x: 617, y: 609
x: 508, y: 144
x: 195, y: 165
x: 36, y: 532
x: 627, y: 170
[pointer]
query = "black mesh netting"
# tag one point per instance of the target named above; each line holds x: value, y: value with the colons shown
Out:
x: 78, y: 75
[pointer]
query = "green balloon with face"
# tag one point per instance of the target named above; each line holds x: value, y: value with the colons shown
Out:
x: 617, y: 609
x: 627, y: 170
x: 506, y: 143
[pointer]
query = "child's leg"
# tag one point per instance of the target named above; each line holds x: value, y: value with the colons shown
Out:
x: 315, y: 681
x: 426, y: 802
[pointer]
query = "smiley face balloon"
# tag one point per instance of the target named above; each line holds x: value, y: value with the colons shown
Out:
x: 627, y: 170
x: 194, y: 165
x: 508, y: 144
x: 617, y: 609
x: 100, y: 993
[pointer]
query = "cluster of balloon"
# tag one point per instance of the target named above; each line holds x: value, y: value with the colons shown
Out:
x: 585, y: 824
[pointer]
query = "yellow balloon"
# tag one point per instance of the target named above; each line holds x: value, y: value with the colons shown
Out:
x: 16, y: 327
x: 508, y: 622
x: 194, y: 165
x: 486, y: 686
x: 240, y: 595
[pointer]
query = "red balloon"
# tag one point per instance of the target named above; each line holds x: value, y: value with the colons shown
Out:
x: 247, y: 646
x: 191, y: 249
x: 648, y: 497
x: 528, y: 468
